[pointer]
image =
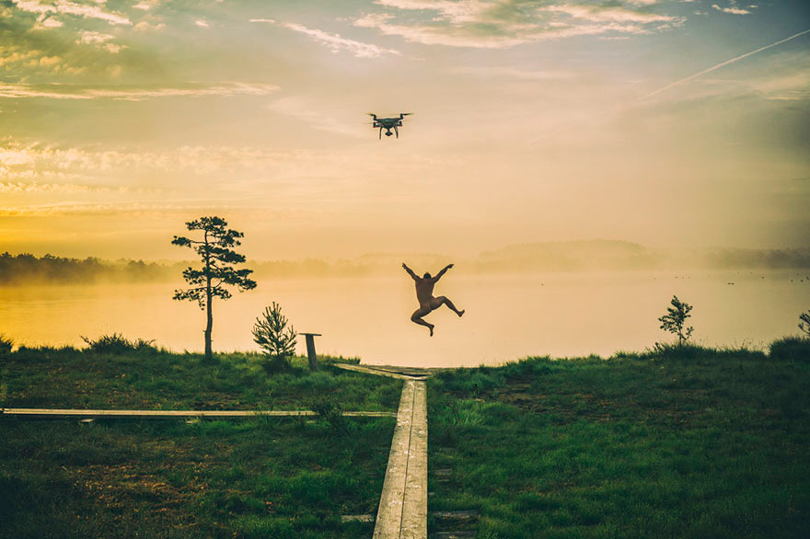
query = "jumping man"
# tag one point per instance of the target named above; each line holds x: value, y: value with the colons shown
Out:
x: 424, y: 293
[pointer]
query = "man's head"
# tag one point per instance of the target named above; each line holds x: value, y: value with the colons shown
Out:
x: 426, y: 276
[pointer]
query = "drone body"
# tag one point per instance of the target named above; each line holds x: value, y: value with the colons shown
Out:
x: 388, y: 123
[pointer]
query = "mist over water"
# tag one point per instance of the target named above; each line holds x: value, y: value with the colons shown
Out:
x: 507, y: 318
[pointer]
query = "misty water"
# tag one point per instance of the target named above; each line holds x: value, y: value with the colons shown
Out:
x: 507, y: 318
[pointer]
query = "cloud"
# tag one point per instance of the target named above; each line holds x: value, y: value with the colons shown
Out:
x: 59, y: 91
x: 732, y: 10
x: 492, y: 24
x: 35, y: 187
x: 82, y: 208
x: 202, y: 23
x: 307, y: 112
x: 101, y: 40
x: 598, y: 13
x: 65, y: 7
x: 335, y: 42
x: 146, y: 5
x: 503, y: 72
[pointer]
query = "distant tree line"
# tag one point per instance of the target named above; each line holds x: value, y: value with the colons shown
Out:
x: 759, y: 258
x: 22, y: 268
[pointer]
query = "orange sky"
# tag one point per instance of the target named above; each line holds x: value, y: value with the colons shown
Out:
x: 533, y: 121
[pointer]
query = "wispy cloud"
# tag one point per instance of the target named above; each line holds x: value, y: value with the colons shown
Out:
x: 497, y: 24
x: 146, y: 5
x: 37, y: 187
x: 309, y: 113
x: 96, y: 209
x: 335, y: 42
x: 504, y: 72
x: 732, y: 10
x: 58, y: 91
x: 601, y: 13
x: 100, y: 40
x: 65, y: 7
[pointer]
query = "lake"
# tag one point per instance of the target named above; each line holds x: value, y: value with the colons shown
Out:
x: 507, y: 318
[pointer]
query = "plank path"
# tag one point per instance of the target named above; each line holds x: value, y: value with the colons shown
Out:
x: 402, y: 513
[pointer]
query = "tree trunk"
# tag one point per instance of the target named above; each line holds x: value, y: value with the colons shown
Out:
x: 209, y: 326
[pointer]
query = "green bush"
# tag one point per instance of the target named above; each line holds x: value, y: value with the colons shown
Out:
x: 680, y: 351
x: 118, y: 344
x: 332, y: 413
x: 276, y: 365
x: 790, y: 348
x: 6, y: 344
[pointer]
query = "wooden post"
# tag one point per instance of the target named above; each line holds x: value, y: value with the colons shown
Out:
x: 313, y: 358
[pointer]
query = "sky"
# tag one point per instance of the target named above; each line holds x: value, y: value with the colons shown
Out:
x: 669, y: 123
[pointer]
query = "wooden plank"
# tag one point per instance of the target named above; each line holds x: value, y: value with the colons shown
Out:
x: 414, y: 510
x: 67, y: 412
x: 389, y: 512
x: 390, y: 372
x: 402, y: 511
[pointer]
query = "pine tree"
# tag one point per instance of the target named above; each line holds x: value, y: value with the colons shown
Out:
x: 272, y: 334
x: 218, y: 258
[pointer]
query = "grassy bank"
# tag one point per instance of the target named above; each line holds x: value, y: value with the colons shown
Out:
x: 262, y: 477
x: 153, y: 379
x: 685, y: 443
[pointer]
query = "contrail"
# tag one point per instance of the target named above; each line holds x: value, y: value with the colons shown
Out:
x: 633, y: 103
x: 718, y: 66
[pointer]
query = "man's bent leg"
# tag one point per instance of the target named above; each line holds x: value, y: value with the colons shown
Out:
x: 416, y: 318
x: 444, y: 300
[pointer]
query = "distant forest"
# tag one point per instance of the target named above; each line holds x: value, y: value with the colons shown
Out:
x: 24, y: 268
x: 596, y: 255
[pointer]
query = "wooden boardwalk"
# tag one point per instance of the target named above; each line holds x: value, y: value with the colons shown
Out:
x: 401, y: 373
x: 56, y: 413
x: 402, y: 513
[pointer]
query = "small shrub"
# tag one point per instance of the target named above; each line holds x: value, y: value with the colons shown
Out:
x: 271, y: 333
x: 340, y: 359
x: 681, y: 351
x: 804, y: 324
x: 790, y: 348
x: 6, y: 344
x: 275, y: 365
x: 118, y: 344
x: 332, y: 413
x: 675, y: 319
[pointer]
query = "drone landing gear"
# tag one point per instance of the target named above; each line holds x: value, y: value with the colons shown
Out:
x: 395, y: 129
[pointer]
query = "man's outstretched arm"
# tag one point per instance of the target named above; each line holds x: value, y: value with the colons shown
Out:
x: 410, y: 271
x: 442, y: 272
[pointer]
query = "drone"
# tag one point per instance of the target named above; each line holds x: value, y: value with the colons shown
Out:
x: 388, y: 123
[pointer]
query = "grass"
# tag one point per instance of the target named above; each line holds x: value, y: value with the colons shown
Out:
x: 257, y: 477
x: 152, y: 379
x: 251, y: 478
x: 672, y: 443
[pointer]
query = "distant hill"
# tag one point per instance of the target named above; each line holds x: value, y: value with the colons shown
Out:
x: 570, y: 256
